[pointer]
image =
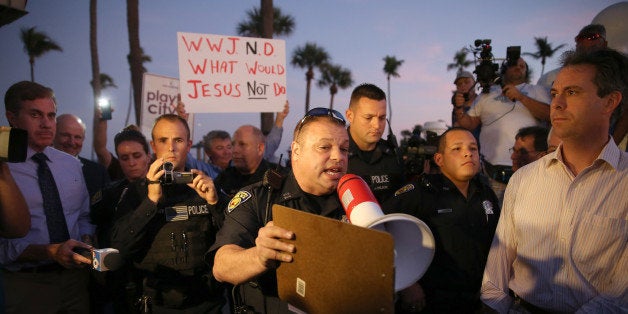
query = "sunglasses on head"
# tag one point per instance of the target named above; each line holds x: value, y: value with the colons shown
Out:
x: 589, y: 37
x: 320, y: 112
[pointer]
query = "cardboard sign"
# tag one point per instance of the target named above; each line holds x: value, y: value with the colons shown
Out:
x: 231, y: 74
x: 337, y: 268
x: 159, y: 96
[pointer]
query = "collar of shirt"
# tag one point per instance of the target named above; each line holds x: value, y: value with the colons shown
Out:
x: 381, y: 148
x: 610, y: 154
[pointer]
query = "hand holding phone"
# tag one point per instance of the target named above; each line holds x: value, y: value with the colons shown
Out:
x: 105, y: 108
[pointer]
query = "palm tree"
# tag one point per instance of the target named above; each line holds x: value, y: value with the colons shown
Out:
x: 308, y: 57
x: 460, y: 60
x: 265, y: 22
x: 135, y: 55
x: 144, y: 58
x: 544, y: 51
x: 105, y: 81
x: 252, y: 26
x: 36, y: 44
x: 93, y: 48
x: 335, y: 77
x: 391, y: 64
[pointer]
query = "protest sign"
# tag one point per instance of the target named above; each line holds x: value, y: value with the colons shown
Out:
x: 159, y: 96
x: 231, y: 74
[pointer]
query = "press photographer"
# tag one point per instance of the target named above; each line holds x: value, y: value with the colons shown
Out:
x: 464, y: 96
x: 168, y: 223
x: 502, y: 111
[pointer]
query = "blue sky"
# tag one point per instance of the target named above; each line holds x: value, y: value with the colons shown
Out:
x: 357, y: 34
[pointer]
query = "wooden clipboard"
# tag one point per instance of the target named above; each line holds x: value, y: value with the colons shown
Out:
x: 337, y: 267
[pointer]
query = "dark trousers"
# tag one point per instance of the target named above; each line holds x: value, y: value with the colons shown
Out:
x: 53, y: 291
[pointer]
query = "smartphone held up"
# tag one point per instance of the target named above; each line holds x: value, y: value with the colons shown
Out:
x: 105, y: 108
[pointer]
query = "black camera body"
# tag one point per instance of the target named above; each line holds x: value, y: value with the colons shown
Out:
x: 416, y: 150
x: 13, y: 144
x: 487, y: 71
x: 175, y: 177
x: 453, y: 98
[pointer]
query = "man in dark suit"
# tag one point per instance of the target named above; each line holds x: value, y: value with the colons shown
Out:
x: 69, y: 138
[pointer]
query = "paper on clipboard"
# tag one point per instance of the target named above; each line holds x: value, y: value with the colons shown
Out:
x: 337, y: 267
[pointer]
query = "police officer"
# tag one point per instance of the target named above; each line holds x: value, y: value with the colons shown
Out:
x: 248, y: 246
x: 118, y: 288
x: 247, y: 164
x: 169, y: 226
x: 372, y: 158
x: 462, y: 212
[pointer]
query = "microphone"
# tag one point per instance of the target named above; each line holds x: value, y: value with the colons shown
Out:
x: 102, y: 259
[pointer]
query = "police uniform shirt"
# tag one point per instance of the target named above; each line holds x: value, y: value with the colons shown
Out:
x: 230, y: 181
x: 381, y: 168
x: 246, y: 214
x: 168, y: 241
x: 104, y: 208
x: 463, y: 228
x: 174, y: 233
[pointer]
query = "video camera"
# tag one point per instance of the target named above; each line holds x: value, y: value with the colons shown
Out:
x: 417, y: 149
x: 13, y: 144
x: 487, y: 71
x: 175, y: 177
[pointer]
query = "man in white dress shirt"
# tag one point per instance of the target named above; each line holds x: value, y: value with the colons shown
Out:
x: 560, y: 245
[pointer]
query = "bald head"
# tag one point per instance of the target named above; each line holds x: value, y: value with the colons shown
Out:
x: 248, y: 148
x: 70, y: 134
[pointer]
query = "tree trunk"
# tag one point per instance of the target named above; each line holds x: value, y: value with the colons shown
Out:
x: 389, y: 105
x: 309, y: 75
x: 135, y: 55
x: 332, y: 90
x: 31, y: 60
x: 266, y: 10
x: 93, y: 49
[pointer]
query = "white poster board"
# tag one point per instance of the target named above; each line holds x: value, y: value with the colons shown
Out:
x: 159, y: 96
x: 231, y: 74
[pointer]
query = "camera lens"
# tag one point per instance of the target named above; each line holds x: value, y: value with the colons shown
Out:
x: 167, y: 178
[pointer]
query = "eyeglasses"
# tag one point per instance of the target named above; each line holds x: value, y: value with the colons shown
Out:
x: 320, y: 112
x: 521, y: 151
x: 589, y: 37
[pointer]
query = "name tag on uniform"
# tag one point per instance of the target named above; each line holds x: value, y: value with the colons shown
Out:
x: 444, y: 211
x: 177, y: 213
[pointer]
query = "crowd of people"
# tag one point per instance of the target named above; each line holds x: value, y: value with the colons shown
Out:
x: 527, y: 207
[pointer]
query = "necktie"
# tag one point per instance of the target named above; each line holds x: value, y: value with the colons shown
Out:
x: 55, y: 220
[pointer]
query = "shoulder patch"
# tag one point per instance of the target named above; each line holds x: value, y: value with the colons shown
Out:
x: 96, y: 197
x: 406, y: 188
x: 238, y: 199
x: 488, y: 207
